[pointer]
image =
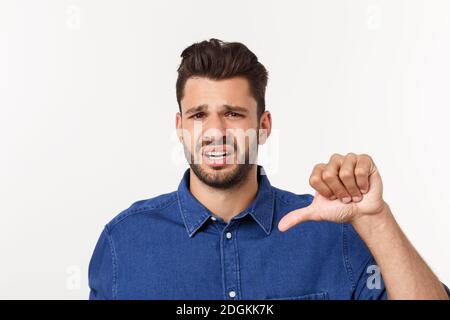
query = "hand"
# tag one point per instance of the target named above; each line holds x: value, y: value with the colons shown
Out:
x: 347, y: 188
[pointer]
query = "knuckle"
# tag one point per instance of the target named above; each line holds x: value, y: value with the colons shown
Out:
x: 345, y: 174
x: 360, y: 172
x: 314, y: 180
x: 365, y: 155
x: 335, y: 156
x: 327, y: 175
x: 318, y: 167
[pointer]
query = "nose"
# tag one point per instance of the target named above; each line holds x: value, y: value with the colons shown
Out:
x: 214, y: 129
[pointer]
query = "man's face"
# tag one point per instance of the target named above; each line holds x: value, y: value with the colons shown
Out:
x: 219, y: 129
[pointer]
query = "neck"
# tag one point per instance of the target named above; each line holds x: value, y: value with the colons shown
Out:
x: 225, y: 203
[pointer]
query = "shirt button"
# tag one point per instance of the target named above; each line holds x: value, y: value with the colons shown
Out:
x: 229, y: 237
x: 232, y: 294
x: 213, y: 218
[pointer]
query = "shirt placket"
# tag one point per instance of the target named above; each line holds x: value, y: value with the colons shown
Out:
x: 230, y: 263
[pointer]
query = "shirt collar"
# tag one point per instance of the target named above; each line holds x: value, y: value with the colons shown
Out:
x: 194, y: 214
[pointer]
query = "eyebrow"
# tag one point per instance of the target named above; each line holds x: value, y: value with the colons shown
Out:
x: 196, y: 109
x: 228, y: 107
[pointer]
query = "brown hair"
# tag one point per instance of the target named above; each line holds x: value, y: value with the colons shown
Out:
x: 216, y: 59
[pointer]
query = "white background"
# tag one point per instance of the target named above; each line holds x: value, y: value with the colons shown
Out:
x: 87, y: 114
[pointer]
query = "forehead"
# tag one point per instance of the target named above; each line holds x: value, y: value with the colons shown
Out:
x: 232, y: 91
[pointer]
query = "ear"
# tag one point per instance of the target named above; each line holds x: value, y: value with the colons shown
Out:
x: 265, y: 125
x: 179, y: 126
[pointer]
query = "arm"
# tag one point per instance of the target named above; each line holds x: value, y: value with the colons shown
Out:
x: 405, y: 273
x: 349, y: 189
x: 102, y: 269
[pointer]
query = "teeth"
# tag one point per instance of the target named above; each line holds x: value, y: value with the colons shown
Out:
x: 216, y: 154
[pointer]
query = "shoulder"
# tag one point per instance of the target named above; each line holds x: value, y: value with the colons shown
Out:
x: 143, y: 209
x: 291, y: 199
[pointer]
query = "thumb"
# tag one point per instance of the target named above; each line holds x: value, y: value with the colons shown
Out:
x: 298, y: 216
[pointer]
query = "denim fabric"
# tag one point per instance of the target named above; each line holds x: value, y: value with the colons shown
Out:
x: 170, y: 247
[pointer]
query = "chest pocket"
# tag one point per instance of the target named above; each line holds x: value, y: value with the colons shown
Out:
x: 311, y: 296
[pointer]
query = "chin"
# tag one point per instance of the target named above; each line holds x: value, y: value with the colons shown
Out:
x: 222, y: 177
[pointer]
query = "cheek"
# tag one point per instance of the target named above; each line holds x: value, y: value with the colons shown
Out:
x: 251, y: 143
x: 188, y: 140
x: 244, y: 124
x: 196, y: 142
x: 247, y: 141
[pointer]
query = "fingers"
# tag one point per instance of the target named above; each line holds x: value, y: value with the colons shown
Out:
x: 317, y: 183
x: 343, y: 177
x: 363, y: 169
x: 330, y: 175
x: 347, y: 176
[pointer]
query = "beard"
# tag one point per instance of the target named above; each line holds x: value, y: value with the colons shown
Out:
x: 223, y: 180
x: 224, y: 177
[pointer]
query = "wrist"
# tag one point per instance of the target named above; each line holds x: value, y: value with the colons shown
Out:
x: 372, y: 225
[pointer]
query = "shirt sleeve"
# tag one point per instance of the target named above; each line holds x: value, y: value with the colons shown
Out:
x: 363, y: 272
x: 102, y: 269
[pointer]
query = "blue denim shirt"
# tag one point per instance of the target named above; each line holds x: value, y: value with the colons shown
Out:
x: 172, y: 247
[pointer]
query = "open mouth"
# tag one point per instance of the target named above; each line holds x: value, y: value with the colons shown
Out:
x: 218, y: 155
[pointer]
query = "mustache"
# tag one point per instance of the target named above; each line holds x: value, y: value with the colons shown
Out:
x: 217, y: 142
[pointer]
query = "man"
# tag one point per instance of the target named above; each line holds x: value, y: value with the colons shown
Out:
x: 226, y: 233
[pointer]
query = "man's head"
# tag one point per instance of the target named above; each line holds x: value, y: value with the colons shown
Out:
x: 222, y: 118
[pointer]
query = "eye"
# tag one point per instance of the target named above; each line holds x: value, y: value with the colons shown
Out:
x: 197, y: 116
x: 233, y: 114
